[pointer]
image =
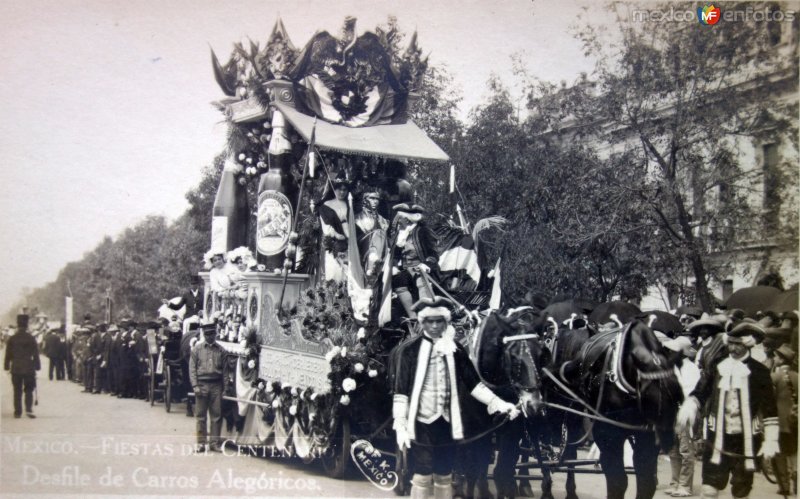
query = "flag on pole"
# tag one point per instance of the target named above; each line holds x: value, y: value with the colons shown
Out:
x: 452, y: 179
x: 68, y: 313
x: 495, y: 299
x: 357, y: 288
x: 312, y: 158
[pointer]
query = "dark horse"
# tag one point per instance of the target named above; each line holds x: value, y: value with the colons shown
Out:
x: 507, y: 354
x: 624, y: 377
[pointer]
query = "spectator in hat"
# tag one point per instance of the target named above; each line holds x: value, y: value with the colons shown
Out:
x: 682, y: 454
x: 188, y: 341
x: 218, y: 279
x: 784, y: 378
x: 432, y: 375
x: 413, y: 253
x: 193, y: 297
x: 205, y: 372
x: 22, y: 359
x: 743, y: 420
x: 54, y: 345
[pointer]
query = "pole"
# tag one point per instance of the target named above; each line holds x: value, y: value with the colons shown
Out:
x: 297, y: 208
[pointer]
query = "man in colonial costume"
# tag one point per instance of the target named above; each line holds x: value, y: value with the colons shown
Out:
x: 433, y: 374
x: 742, y: 419
x: 413, y: 252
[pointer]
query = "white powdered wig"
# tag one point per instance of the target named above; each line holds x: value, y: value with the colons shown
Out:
x: 434, y: 312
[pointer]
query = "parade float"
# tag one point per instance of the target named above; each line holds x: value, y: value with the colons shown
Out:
x: 308, y: 319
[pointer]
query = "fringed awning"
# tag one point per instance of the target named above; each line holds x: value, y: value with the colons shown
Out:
x: 404, y: 141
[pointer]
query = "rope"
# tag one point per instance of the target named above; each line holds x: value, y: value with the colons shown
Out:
x: 593, y: 413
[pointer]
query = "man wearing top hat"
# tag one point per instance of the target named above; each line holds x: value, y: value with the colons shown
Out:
x: 193, y: 297
x: 205, y: 373
x: 22, y: 359
x: 742, y: 420
x: 432, y: 375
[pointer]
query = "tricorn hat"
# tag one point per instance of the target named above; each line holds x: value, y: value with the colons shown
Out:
x: 406, y: 208
x: 747, y: 327
x: 22, y: 321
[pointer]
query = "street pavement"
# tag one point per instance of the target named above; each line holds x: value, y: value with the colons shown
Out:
x: 83, y: 444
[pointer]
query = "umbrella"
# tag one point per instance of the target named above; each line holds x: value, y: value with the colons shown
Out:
x: 752, y: 299
x: 689, y: 310
x: 625, y: 312
x: 664, y: 322
x: 785, y: 302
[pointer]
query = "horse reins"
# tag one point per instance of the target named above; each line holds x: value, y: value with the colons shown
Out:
x: 593, y: 413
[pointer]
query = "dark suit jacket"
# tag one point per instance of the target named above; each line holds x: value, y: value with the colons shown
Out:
x: 193, y: 305
x: 22, y: 354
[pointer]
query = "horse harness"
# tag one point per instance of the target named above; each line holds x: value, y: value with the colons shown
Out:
x: 610, y: 350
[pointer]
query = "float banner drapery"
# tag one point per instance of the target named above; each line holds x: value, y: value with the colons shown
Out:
x: 404, y: 141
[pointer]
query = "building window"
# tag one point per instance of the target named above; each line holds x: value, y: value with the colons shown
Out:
x: 772, y: 201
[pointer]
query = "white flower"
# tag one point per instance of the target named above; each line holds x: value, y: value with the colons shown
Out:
x: 333, y: 353
x: 372, y: 373
x: 261, y: 267
x: 261, y: 386
x: 344, y: 352
x: 345, y: 400
x: 243, y: 343
x: 269, y: 388
x: 293, y: 410
x: 276, y: 403
x: 348, y: 385
x: 242, y: 156
x: 359, y: 367
x: 362, y: 333
x: 251, y: 364
x: 294, y: 392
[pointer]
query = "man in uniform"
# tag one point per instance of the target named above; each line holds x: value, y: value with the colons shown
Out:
x: 22, y: 359
x: 432, y: 375
x: 741, y: 422
x: 205, y: 373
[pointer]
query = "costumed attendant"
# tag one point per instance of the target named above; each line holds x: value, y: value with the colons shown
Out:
x: 333, y: 220
x: 433, y: 374
x: 413, y: 252
x: 742, y: 404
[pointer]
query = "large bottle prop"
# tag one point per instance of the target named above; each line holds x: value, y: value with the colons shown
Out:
x: 230, y: 214
x: 277, y: 197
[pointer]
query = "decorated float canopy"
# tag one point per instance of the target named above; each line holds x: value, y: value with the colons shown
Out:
x: 354, y: 92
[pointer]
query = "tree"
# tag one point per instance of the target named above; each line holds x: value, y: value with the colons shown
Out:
x: 682, y: 103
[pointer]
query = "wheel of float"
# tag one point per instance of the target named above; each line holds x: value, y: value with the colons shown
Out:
x: 335, y: 463
x: 167, y: 387
x: 151, y: 393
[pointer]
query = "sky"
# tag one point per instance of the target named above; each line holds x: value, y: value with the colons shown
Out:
x: 105, y: 114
